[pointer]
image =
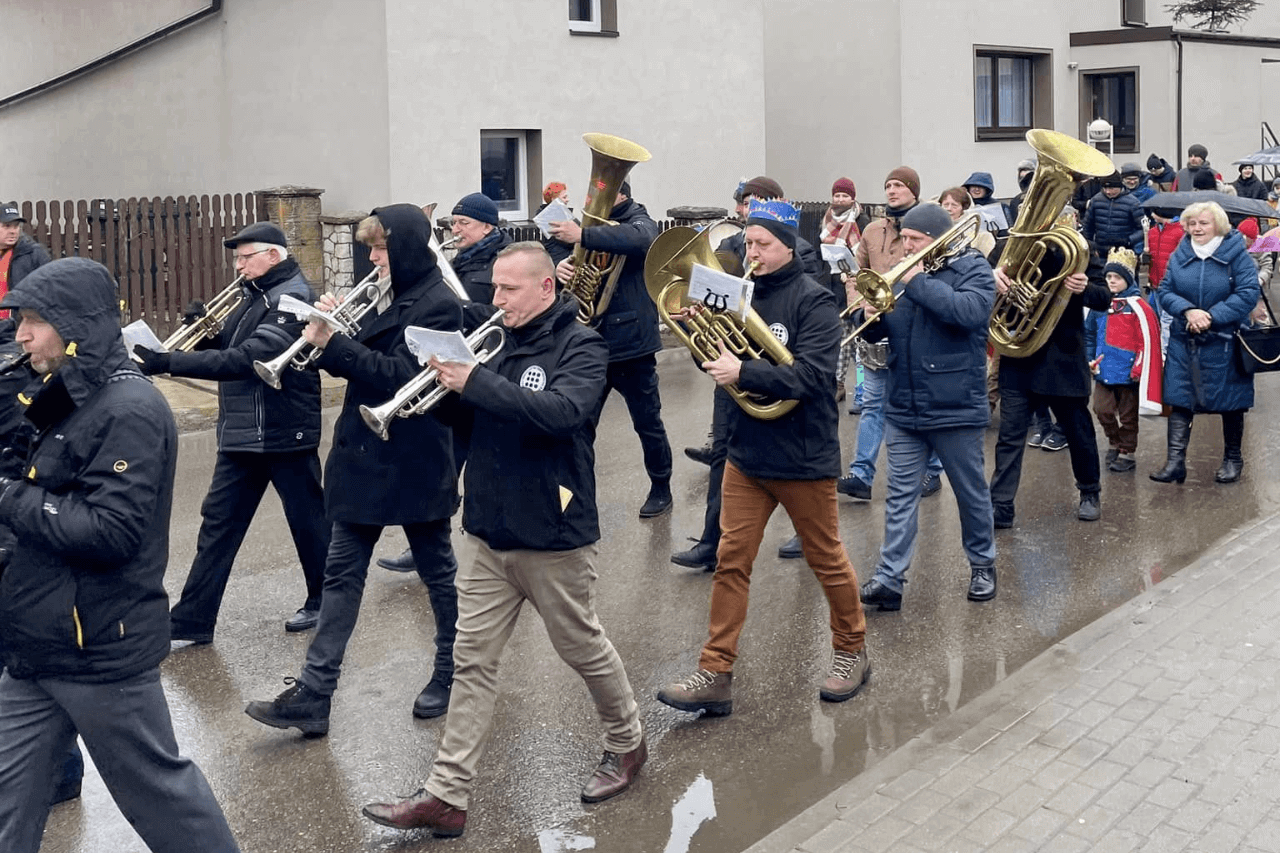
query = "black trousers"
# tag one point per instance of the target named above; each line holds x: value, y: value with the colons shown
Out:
x: 636, y: 379
x: 1072, y: 414
x: 239, y: 482
x: 722, y: 406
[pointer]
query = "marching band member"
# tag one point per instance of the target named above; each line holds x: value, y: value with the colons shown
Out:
x: 531, y: 508
x: 935, y: 402
x: 793, y: 460
x: 410, y: 479
x: 475, y: 224
x: 265, y: 435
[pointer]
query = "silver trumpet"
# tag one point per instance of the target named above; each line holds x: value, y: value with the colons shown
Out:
x: 349, y: 312
x: 424, y: 391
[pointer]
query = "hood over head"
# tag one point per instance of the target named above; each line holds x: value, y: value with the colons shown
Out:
x: 408, y: 244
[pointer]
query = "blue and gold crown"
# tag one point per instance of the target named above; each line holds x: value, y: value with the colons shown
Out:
x: 775, y: 211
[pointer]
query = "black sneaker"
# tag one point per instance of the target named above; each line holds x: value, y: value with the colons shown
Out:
x: 1054, y: 441
x: 932, y: 485
x: 298, y: 707
x: 854, y: 488
x: 1002, y: 515
x: 1123, y: 463
x: 1090, y: 507
x: 1036, y: 439
x: 1112, y: 454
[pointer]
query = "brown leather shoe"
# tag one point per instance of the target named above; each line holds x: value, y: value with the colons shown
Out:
x: 615, y: 774
x: 421, y: 811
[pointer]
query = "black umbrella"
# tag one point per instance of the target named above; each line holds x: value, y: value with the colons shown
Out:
x: 1232, y: 204
x: 1265, y: 157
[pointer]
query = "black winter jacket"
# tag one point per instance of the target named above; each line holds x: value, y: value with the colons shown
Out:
x: 411, y: 476
x: 83, y: 597
x: 253, y: 417
x: 28, y: 255
x: 802, y: 444
x: 474, y: 266
x: 1113, y: 222
x: 630, y: 324
x: 1251, y: 188
x: 1059, y: 368
x: 530, y: 475
x: 810, y: 258
x: 937, y: 335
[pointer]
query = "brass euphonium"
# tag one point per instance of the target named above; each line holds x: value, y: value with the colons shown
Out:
x: 667, y: 270
x: 1041, y: 252
x: 595, y: 274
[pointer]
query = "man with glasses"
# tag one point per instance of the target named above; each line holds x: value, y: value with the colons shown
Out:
x: 264, y: 435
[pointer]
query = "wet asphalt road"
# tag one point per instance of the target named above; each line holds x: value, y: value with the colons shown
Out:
x: 710, y: 785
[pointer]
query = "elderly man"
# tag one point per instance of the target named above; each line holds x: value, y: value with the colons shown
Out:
x: 19, y: 254
x: 475, y: 225
x: 83, y: 612
x: 630, y: 328
x: 792, y: 460
x: 265, y: 436
x: 936, y: 402
x: 531, y: 509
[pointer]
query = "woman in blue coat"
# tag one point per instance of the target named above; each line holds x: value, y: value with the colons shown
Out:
x: 1209, y: 289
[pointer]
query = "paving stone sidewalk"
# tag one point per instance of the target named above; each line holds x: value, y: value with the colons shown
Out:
x: 1155, y: 728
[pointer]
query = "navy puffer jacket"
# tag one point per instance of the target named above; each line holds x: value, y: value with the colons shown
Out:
x: 1111, y: 222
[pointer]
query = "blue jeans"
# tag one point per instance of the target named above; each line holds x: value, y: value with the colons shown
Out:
x: 871, y: 427
x: 961, y: 453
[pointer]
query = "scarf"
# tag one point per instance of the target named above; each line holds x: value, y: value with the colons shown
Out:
x: 842, y: 227
x: 1206, y: 251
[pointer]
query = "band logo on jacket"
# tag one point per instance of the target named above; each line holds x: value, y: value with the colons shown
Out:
x: 534, y: 378
x: 780, y: 332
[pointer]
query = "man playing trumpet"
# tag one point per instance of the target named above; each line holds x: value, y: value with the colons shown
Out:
x: 410, y: 479
x: 531, y: 508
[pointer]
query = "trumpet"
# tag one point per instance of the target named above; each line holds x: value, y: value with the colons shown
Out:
x: 424, y: 390
x: 216, y: 312
x: 349, y: 312
x: 446, y: 269
x: 877, y: 290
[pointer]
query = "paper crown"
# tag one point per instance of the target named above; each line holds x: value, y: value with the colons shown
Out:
x: 776, y: 211
x: 1123, y: 257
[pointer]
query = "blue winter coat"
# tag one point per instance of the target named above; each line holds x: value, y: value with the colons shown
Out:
x: 1200, y: 371
x: 1116, y: 366
x: 1113, y: 222
x: 937, y: 335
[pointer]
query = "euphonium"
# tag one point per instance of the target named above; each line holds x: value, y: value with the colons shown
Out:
x: 877, y: 290
x: 446, y: 269
x: 1041, y: 253
x: 424, y: 390
x: 216, y: 312
x: 349, y: 312
x: 667, y: 269
x: 595, y: 274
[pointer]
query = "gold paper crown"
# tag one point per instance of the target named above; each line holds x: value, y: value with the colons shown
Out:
x: 1124, y: 257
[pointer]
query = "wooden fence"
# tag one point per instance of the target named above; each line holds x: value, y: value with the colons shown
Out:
x: 163, y: 252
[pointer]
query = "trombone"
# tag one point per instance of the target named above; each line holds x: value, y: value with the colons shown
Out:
x: 877, y: 290
x: 349, y: 312
x: 209, y: 324
x: 424, y: 390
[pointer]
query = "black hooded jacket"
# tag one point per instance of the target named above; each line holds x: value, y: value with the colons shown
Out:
x: 252, y: 416
x: 410, y: 477
x: 630, y: 323
x: 1250, y: 187
x: 530, y: 475
x: 82, y: 597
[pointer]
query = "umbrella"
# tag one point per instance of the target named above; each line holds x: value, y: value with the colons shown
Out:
x: 1265, y: 157
x: 1232, y: 204
x: 1269, y: 242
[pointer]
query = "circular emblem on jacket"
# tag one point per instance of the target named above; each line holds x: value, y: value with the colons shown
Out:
x: 121, y: 466
x: 534, y: 378
x: 780, y: 332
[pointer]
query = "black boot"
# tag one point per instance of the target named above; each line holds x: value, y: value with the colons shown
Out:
x: 433, y: 701
x: 659, y: 500
x: 1175, y: 467
x: 1232, y: 438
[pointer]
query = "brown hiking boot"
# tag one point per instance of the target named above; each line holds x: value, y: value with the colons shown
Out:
x: 701, y: 691
x: 849, y: 671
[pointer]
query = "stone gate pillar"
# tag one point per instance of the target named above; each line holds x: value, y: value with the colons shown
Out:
x: 297, y: 211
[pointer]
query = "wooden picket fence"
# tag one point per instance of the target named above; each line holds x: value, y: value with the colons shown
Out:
x: 163, y: 252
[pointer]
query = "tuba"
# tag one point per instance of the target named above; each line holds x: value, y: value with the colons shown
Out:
x: 1041, y: 252
x: 667, y: 269
x: 216, y: 311
x: 421, y: 393
x: 595, y: 274
x: 878, y: 290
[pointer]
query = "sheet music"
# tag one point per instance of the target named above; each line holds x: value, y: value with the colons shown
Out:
x: 720, y: 290
x: 308, y: 312
x: 138, y: 333
x: 443, y: 346
x: 553, y: 212
x: 834, y: 253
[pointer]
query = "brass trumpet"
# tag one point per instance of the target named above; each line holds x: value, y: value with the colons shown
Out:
x: 424, y: 391
x: 878, y: 290
x: 349, y: 312
x: 216, y: 312
x: 667, y: 269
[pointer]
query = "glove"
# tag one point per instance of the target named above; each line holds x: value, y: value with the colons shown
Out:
x: 195, y: 310
x: 151, y: 362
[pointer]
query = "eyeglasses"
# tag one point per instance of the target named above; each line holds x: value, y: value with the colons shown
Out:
x: 246, y: 258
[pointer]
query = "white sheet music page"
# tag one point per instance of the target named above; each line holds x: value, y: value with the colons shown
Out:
x: 138, y: 333
x: 444, y: 346
x: 720, y: 291
x: 553, y: 212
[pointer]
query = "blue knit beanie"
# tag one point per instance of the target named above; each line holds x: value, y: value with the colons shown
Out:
x: 479, y: 207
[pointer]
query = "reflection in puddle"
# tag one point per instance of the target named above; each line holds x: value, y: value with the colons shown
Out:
x: 560, y: 841
x: 823, y: 730
x: 696, y: 806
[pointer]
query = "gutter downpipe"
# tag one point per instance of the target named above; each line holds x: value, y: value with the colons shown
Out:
x: 1177, y: 37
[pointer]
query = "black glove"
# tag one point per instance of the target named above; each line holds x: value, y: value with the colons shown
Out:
x: 195, y: 310
x: 152, y: 362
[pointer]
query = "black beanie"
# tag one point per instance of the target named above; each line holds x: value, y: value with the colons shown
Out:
x: 786, y: 233
x: 1204, y: 179
x: 1153, y: 163
x: 479, y: 207
x: 1198, y: 150
x: 927, y: 218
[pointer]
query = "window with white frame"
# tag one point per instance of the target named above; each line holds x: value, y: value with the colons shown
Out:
x: 593, y: 17
x: 504, y: 171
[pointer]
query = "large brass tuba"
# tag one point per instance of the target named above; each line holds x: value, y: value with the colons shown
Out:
x: 1041, y: 252
x: 595, y: 274
x: 667, y: 269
